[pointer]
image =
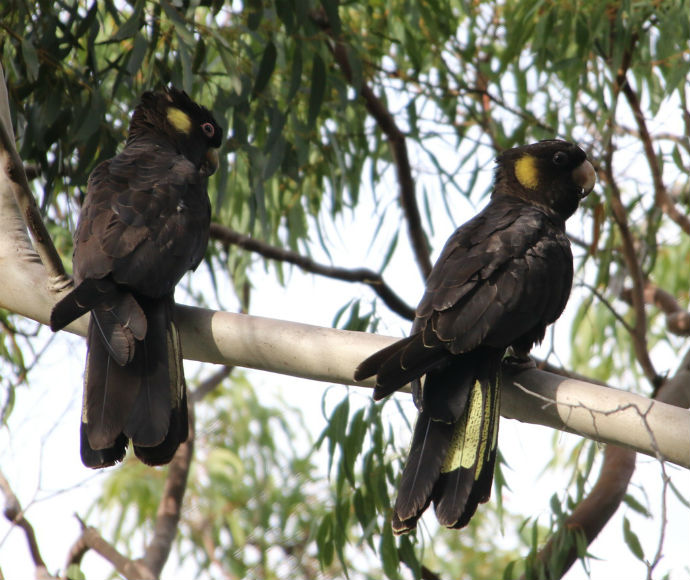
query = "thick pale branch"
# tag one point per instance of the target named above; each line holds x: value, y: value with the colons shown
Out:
x: 329, y: 355
x: 13, y: 173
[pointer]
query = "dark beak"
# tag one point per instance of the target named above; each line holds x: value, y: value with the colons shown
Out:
x: 210, y: 162
x: 585, y: 176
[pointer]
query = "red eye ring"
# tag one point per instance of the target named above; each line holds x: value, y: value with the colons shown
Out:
x: 208, y: 129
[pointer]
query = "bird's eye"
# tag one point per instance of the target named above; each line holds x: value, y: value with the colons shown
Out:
x: 560, y: 158
x: 208, y: 129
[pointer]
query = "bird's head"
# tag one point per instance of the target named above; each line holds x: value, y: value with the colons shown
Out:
x: 174, y: 117
x: 554, y: 175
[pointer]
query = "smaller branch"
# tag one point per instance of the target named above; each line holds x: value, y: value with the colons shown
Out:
x: 15, y: 515
x: 91, y: 539
x: 677, y: 319
x: 76, y: 552
x: 609, y: 307
x: 676, y: 389
x: 210, y: 384
x: 592, y: 513
x: 398, y: 144
x: 661, y: 198
x: 639, y: 334
x: 170, y: 506
x: 364, y: 275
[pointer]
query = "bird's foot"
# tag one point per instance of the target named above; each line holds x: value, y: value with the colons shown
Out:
x: 519, y: 362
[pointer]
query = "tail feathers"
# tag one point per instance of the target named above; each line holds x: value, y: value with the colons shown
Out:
x: 178, y: 431
x: 121, y: 322
x: 85, y: 297
x: 400, y: 363
x: 430, y: 443
x: 143, y: 400
x: 158, y: 423
x: 105, y: 457
x: 109, y: 392
x: 467, y: 473
x: 118, y: 316
x: 451, y: 463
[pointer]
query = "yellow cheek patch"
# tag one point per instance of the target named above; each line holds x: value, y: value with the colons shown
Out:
x: 526, y: 172
x: 180, y: 120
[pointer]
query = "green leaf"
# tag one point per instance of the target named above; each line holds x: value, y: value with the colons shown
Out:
x: 74, y: 572
x: 324, y: 541
x: 331, y: 8
x: 131, y: 26
x: 389, y: 553
x: 30, y: 59
x: 318, y: 89
x: 266, y: 67
x: 635, y: 505
x: 407, y: 554
x: 182, y: 27
x: 295, y: 73
x: 632, y: 540
x: 186, y: 61
x: 137, y: 54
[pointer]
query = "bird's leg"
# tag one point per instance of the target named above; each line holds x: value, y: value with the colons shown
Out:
x: 518, y: 360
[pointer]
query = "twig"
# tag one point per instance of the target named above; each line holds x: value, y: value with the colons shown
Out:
x: 170, y: 506
x: 677, y: 319
x: 363, y: 275
x: 91, y: 539
x: 397, y: 141
x: 608, y: 306
x: 210, y: 384
x: 15, y: 515
x: 639, y: 334
x: 661, y: 198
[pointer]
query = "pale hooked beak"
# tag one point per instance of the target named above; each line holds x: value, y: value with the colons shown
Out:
x: 585, y: 176
x: 210, y: 163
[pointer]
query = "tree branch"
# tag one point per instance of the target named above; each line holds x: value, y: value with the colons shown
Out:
x: 397, y: 141
x: 677, y: 319
x: 661, y: 198
x: 13, y: 172
x: 91, y: 539
x: 639, y: 330
x: 15, y: 515
x: 170, y: 505
x: 590, y: 516
x: 375, y: 281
